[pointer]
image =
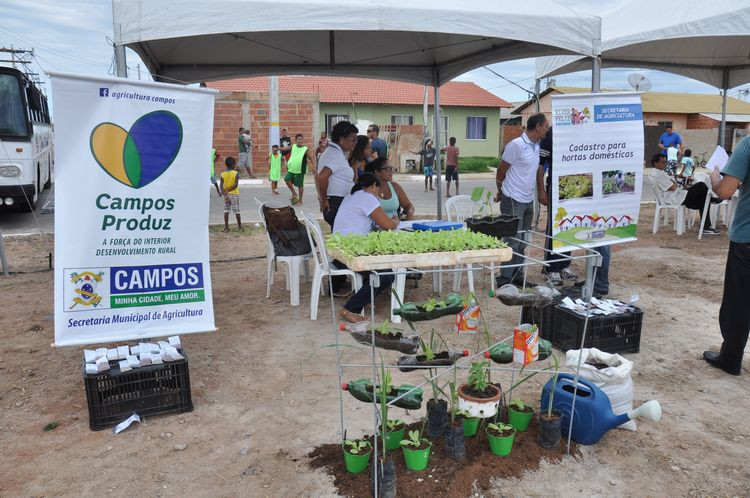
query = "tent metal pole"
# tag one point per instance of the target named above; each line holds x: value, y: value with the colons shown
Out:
x: 596, y: 74
x: 438, y: 145
x: 537, y: 88
x: 273, y: 112
x: 120, y: 62
x: 723, y: 126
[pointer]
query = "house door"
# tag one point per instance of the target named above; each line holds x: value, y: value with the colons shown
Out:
x: 332, y: 119
x: 651, y: 135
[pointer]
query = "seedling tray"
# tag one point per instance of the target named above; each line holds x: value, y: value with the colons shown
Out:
x: 422, y: 260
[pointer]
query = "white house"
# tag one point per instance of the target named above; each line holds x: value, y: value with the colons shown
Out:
x: 586, y: 221
x: 565, y: 224
x: 575, y: 221
x: 625, y: 221
x: 599, y: 223
x: 611, y: 222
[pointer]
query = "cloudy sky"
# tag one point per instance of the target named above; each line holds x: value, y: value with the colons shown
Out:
x: 74, y: 36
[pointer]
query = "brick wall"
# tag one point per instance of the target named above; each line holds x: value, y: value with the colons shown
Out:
x: 699, y: 121
x: 510, y: 132
x: 250, y: 110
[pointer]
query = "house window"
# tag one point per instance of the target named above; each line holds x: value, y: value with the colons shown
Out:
x: 443, y: 128
x: 476, y: 128
x: 402, y: 119
x: 332, y: 119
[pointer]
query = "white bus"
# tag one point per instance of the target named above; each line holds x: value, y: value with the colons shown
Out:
x: 26, y: 149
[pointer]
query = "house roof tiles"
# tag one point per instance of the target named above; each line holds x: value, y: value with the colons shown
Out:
x: 368, y: 91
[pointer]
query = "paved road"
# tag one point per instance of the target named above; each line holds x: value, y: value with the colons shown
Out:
x: 13, y: 222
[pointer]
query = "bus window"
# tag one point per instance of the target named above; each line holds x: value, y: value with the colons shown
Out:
x: 13, y: 118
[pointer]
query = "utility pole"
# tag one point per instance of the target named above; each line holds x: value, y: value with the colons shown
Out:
x: 17, y: 56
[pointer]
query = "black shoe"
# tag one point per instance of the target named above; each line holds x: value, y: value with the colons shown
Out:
x: 714, y: 359
x: 710, y: 231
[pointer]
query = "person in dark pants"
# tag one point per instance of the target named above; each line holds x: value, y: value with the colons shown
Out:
x: 559, y: 270
x: 335, y: 177
x: 734, y: 316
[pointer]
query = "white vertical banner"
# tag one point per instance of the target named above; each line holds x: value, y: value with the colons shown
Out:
x: 597, y: 173
x: 131, y: 209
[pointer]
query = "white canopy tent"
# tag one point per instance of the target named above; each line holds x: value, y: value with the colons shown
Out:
x: 422, y: 41
x: 705, y: 41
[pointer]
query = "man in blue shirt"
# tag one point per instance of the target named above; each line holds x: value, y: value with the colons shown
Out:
x: 669, y: 139
x: 734, y: 316
x: 378, y: 145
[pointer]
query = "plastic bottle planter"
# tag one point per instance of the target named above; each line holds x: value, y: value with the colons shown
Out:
x: 362, y: 390
x: 520, y: 418
x: 416, y: 312
x: 496, y: 226
x: 393, y: 437
x: 549, y: 430
x: 471, y: 426
x: 357, y: 463
x: 479, y: 407
x: 445, y: 358
x: 395, y: 341
x: 503, y: 353
x: 417, y: 459
x: 501, y: 443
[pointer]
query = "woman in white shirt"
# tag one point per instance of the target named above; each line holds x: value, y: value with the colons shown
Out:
x: 359, y: 213
x: 335, y: 177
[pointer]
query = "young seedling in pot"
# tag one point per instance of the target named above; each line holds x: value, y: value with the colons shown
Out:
x: 500, y: 430
x: 357, y: 446
x: 414, y: 441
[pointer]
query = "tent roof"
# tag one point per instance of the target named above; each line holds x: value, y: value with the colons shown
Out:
x: 424, y: 41
x: 665, y: 102
x: 368, y: 91
x: 698, y: 39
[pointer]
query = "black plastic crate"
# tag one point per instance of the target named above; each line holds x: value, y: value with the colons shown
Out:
x: 613, y: 333
x: 544, y: 316
x: 152, y: 390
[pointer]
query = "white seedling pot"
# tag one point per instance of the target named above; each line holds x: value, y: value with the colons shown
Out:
x: 478, y: 407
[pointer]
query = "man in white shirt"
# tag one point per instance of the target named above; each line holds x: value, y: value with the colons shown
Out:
x: 693, y: 198
x: 517, y: 176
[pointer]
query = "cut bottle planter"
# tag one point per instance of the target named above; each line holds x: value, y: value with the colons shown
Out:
x: 442, y: 359
x: 396, y: 341
x: 496, y: 226
x: 417, y: 459
x: 362, y: 390
x: 501, y: 445
x: 479, y: 407
x: 520, y: 419
x: 416, y: 312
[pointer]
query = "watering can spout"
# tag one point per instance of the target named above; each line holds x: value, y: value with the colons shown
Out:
x: 650, y: 410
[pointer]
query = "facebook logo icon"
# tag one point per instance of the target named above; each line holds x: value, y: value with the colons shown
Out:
x: 104, y: 92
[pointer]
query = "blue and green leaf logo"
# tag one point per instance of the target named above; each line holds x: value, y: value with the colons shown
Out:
x: 138, y: 156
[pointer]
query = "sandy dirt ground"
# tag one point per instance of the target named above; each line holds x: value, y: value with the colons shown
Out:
x: 265, y: 389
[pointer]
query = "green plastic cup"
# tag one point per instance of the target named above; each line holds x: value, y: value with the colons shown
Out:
x: 519, y: 420
x: 417, y: 459
x: 356, y: 464
x: 471, y: 426
x: 501, y: 446
x: 393, y: 439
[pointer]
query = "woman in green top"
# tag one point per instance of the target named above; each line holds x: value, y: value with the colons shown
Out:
x: 391, y: 196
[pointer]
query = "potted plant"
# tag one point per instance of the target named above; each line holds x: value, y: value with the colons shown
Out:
x: 430, y: 309
x: 470, y: 424
x: 499, y: 226
x: 363, y: 390
x: 430, y: 356
x: 549, y: 419
x: 500, y: 437
x: 478, y: 396
x: 437, y: 410
x: 455, y: 445
x: 384, y: 478
x: 357, y: 455
x: 520, y: 415
x: 386, y: 337
x: 394, y: 433
x: 416, y: 451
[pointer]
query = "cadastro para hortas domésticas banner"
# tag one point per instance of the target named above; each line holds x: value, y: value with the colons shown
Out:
x: 597, y: 173
x: 131, y: 209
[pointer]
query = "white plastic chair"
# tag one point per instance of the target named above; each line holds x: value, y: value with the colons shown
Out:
x: 679, y: 218
x: 293, y: 264
x: 458, y: 208
x: 323, y: 266
x: 714, y: 209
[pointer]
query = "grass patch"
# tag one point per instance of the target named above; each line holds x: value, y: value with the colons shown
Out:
x: 477, y: 164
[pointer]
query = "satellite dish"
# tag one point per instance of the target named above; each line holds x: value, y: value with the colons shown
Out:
x: 639, y: 82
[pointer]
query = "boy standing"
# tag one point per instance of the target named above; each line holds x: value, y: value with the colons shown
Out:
x: 451, y: 165
x: 229, y: 183
x: 274, y: 168
x: 296, y: 167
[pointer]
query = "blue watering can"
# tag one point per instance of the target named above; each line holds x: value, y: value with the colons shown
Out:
x: 593, y: 411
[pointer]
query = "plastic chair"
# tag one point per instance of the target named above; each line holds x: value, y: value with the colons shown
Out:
x: 458, y: 208
x: 293, y: 264
x: 3, y: 258
x: 679, y: 219
x: 714, y: 209
x: 323, y: 267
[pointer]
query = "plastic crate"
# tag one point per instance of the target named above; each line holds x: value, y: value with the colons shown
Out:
x: 613, y: 333
x: 152, y: 390
x: 544, y: 317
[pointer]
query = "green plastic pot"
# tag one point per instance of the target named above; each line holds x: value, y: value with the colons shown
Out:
x: 417, y: 459
x: 501, y: 446
x: 471, y: 426
x: 519, y: 420
x: 356, y: 464
x: 393, y: 439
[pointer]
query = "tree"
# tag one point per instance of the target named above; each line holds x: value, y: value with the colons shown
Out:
x: 561, y: 213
